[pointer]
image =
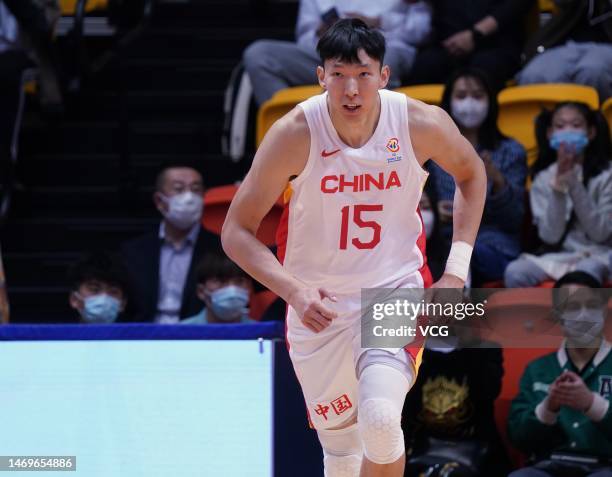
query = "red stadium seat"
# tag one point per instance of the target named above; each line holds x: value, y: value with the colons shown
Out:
x: 216, y: 203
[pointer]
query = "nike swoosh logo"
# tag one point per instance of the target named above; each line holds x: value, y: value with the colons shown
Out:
x: 324, y: 153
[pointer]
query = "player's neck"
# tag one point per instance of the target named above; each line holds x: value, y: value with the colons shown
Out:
x: 358, y: 132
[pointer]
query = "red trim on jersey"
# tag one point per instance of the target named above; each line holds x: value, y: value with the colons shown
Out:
x: 415, y: 346
x: 422, y: 244
x: 281, y: 234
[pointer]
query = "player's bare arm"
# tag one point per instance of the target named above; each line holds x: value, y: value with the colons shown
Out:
x: 281, y: 156
x: 435, y: 136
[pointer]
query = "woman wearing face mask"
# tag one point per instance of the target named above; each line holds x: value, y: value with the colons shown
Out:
x: 225, y: 289
x: 562, y: 416
x: 472, y: 104
x: 571, y: 198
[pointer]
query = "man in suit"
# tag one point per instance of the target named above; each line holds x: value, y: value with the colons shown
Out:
x: 161, y: 264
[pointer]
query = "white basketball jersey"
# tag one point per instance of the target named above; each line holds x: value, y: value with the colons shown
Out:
x: 352, y: 219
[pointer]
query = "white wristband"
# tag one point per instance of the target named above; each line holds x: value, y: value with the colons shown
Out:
x: 458, y: 263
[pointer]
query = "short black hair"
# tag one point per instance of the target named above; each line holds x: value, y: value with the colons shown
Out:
x: 175, y: 164
x: 577, y: 278
x: 346, y: 37
x: 99, y: 266
x: 218, y: 266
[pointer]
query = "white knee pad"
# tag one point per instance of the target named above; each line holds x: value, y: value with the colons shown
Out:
x: 342, y: 451
x: 382, y: 391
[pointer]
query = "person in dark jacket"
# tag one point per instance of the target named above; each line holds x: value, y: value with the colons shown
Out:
x: 161, y: 264
x: 487, y: 34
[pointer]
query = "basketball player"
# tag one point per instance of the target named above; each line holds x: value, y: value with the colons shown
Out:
x: 351, y: 161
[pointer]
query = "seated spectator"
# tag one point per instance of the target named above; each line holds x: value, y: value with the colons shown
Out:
x: 225, y: 289
x: 571, y: 198
x: 575, y: 46
x: 472, y: 104
x: 273, y: 65
x: 448, y: 417
x: 487, y: 34
x: 99, y: 289
x: 161, y: 264
x: 562, y: 415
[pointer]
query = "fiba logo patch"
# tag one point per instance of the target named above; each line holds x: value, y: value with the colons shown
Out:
x: 393, y: 147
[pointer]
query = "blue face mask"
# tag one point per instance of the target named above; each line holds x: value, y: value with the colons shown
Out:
x: 574, y: 138
x: 229, y: 303
x: 100, y: 309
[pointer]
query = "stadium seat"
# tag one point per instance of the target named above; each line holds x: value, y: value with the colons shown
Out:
x: 216, y: 202
x: 428, y: 93
x: 69, y: 6
x: 519, y: 106
x: 547, y: 6
x: 280, y: 104
x: 606, y: 109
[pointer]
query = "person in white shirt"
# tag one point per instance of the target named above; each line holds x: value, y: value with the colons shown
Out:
x: 273, y: 65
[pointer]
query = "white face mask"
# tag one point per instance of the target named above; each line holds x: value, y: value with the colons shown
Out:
x: 184, y: 210
x: 583, y: 326
x: 428, y: 221
x: 469, y: 112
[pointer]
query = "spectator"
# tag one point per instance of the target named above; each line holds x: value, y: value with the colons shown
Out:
x: 13, y: 60
x: 161, y: 264
x: 274, y: 65
x: 573, y: 47
x: 225, y: 289
x: 37, y: 21
x: 472, y: 103
x: 487, y: 34
x: 99, y: 289
x: 24, y: 32
x: 571, y: 197
x: 562, y: 414
x: 448, y: 416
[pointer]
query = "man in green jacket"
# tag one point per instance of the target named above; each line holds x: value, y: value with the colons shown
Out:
x: 562, y: 415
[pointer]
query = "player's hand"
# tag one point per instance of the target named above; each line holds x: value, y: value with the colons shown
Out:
x: 449, y: 289
x: 573, y: 392
x: 449, y: 281
x: 308, y: 303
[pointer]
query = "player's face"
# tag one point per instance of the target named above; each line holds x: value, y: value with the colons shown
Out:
x: 353, y: 87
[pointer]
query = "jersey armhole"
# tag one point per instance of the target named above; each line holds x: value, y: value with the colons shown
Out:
x: 310, y: 160
x: 415, y: 162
